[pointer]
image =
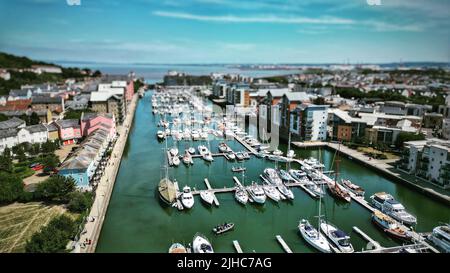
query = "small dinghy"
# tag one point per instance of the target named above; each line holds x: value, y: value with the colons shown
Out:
x: 220, y: 229
x: 238, y: 169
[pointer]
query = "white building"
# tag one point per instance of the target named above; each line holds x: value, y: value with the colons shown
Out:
x: 428, y: 159
x: 4, y: 74
x: 39, y: 69
x: 309, y: 122
x: 30, y: 134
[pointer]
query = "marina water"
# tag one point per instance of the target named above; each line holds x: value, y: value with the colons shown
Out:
x: 136, y: 220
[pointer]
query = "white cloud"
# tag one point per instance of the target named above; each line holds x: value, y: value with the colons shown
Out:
x: 375, y: 25
x: 254, y: 19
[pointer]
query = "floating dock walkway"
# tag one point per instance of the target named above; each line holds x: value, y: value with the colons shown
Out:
x: 237, y: 246
x: 283, y: 244
x: 216, y: 202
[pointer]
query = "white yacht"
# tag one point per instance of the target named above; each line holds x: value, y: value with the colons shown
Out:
x: 201, y: 244
x: 191, y: 150
x: 187, y: 199
x: 441, y: 238
x: 176, y: 161
x: 313, y: 236
x: 207, y: 197
x: 256, y: 193
x: 272, y: 176
x: 241, y: 195
x: 277, y: 153
x: 161, y: 135
x: 290, y: 154
x: 297, y: 174
x: 285, y: 191
x: 271, y: 192
x: 174, y: 151
x: 338, y: 237
x: 187, y: 159
x: 388, y: 205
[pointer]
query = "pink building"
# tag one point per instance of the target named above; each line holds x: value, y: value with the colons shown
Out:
x: 130, y: 90
x: 69, y: 130
x: 93, y: 121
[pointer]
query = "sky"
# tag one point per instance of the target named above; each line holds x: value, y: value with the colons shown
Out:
x: 227, y: 31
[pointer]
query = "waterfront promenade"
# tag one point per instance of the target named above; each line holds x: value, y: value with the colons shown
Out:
x: 105, y: 187
x: 380, y: 165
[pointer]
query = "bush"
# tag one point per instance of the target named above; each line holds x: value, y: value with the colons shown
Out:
x: 11, y: 187
x: 80, y: 201
x: 54, y: 237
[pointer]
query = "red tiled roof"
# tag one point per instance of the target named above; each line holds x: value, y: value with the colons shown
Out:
x: 16, y: 105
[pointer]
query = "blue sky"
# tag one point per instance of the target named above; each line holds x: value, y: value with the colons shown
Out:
x: 227, y: 31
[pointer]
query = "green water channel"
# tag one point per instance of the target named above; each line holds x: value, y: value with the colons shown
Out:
x: 136, y: 220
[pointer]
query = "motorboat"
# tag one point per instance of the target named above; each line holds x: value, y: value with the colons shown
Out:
x: 176, y: 161
x: 177, y: 248
x: 174, y: 151
x: 313, y: 236
x: 187, y: 199
x: 314, y: 163
x: 277, y: 153
x: 338, y: 237
x: 231, y: 156
x: 272, y: 176
x: 271, y: 192
x: 241, y: 195
x: 290, y: 154
x: 239, y: 156
x: 204, y: 135
x: 285, y: 191
x: 387, y: 204
x: 187, y: 158
x: 297, y: 174
x: 284, y: 175
x: 201, y: 244
x: 223, y: 147
x: 238, y: 169
x: 195, y: 135
x: 355, y: 189
x: 225, y: 227
x: 202, y: 149
x: 208, y: 156
x: 191, y: 150
x: 390, y: 226
x: 339, y: 191
x: 313, y: 186
x: 161, y: 135
x: 207, y: 197
x: 440, y: 237
x: 256, y: 193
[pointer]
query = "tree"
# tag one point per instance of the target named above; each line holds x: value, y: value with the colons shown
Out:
x: 35, y: 148
x: 54, y: 237
x: 50, y: 161
x: 49, y: 146
x: 11, y: 187
x: 97, y: 74
x: 6, y: 163
x: 407, y: 136
x: 319, y: 101
x: 20, y: 153
x: 56, y: 188
x: 34, y: 119
x: 80, y: 201
x: 3, y: 117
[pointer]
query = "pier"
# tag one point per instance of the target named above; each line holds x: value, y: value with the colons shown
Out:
x: 237, y: 246
x: 283, y: 244
x: 366, y: 237
x: 216, y: 202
